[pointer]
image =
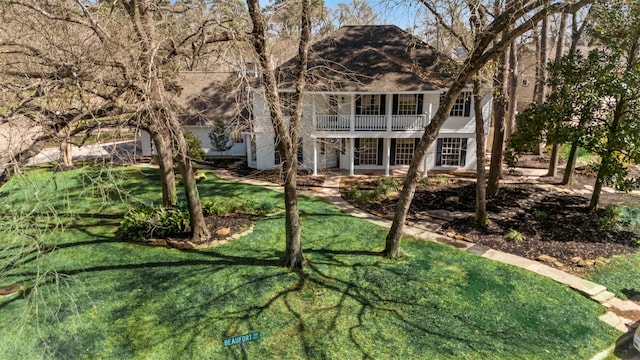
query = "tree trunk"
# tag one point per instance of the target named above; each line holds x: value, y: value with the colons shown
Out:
x: 293, y: 252
x: 597, y: 189
x: 287, y: 134
x: 513, y: 89
x: 499, y: 113
x: 555, y: 151
x: 541, y: 81
x: 481, y: 187
x: 199, y: 231
x: 553, y: 161
x: 569, y: 170
x: 162, y: 144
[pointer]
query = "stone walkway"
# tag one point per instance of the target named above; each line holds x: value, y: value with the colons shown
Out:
x: 596, y: 292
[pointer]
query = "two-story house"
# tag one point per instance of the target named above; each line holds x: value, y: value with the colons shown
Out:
x: 371, y: 91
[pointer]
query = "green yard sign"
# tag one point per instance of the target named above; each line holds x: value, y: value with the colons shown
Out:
x: 240, y: 339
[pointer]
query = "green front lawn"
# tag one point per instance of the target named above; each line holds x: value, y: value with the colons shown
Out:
x: 621, y: 275
x: 98, y: 297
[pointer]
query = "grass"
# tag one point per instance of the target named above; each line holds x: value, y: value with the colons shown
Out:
x: 620, y: 275
x: 584, y: 157
x: 98, y: 297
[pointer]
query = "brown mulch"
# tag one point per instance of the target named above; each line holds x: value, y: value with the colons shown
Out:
x: 556, y: 225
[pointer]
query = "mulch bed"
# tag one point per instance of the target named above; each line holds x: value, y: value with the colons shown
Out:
x: 557, y: 226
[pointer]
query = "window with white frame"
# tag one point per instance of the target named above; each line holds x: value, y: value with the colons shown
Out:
x: 370, y: 104
x: 462, y: 106
x: 407, y: 104
x: 404, y: 151
x: 368, y: 152
x: 451, y: 152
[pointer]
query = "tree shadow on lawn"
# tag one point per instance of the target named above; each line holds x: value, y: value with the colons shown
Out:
x: 311, y: 308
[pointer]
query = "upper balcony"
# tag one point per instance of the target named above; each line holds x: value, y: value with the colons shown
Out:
x: 370, y: 122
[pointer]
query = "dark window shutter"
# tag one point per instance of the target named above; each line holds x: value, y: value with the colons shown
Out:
x: 463, y: 152
x: 358, y: 105
x: 383, y: 104
x: 300, y: 152
x: 395, y: 104
x: 380, y: 150
x: 392, y: 161
x: 439, y: 153
x: 420, y: 103
x: 276, y: 153
x: 356, y: 150
x: 467, y: 105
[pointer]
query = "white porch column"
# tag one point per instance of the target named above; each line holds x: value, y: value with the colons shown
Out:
x: 352, y: 115
x: 351, y: 156
x: 424, y: 164
x: 387, y: 146
x: 389, y: 108
x: 314, y: 122
x: 315, y: 157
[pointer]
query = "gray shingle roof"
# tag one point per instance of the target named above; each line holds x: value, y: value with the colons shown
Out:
x: 371, y: 58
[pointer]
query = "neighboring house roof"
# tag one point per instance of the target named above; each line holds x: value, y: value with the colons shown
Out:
x: 371, y: 58
x: 208, y: 96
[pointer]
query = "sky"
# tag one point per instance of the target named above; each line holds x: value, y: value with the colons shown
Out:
x: 390, y: 12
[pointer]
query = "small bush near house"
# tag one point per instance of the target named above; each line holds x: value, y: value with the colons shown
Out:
x: 614, y: 217
x: 515, y: 235
x: 148, y: 222
x: 220, y: 207
x: 436, y: 180
x: 194, y: 145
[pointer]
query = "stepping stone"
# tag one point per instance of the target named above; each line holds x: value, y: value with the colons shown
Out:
x: 622, y: 305
x: 603, y: 297
x: 615, y: 321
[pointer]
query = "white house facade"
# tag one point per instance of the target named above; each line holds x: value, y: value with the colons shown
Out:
x: 371, y: 91
x: 371, y: 131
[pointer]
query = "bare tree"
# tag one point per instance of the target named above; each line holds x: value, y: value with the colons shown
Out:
x: 126, y: 65
x: 522, y: 15
x: 287, y: 134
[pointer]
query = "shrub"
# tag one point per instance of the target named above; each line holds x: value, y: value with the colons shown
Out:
x: 148, y: 222
x: 436, y: 180
x: 221, y: 207
x: 515, y: 235
x: 386, y: 187
x: 355, y: 194
x: 613, y: 217
x: 195, y: 150
x: 261, y: 208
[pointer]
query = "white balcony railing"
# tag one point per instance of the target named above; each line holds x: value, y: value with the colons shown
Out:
x: 408, y: 122
x: 333, y: 123
x: 370, y: 122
